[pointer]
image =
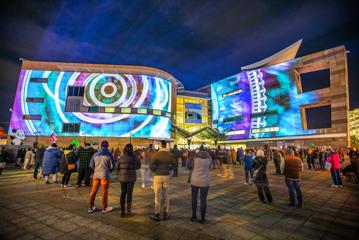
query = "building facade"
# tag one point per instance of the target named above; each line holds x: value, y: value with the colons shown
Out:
x: 263, y: 104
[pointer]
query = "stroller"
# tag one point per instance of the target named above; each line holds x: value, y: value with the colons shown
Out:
x: 351, y: 173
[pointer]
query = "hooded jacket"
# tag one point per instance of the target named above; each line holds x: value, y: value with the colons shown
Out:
x: 200, y: 164
x: 102, y: 163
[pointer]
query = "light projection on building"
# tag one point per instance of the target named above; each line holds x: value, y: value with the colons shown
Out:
x: 113, y: 105
x: 260, y: 103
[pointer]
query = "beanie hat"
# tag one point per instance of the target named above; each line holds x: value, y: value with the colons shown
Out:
x: 104, y: 144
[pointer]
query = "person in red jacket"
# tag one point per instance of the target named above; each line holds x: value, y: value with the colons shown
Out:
x: 334, y: 160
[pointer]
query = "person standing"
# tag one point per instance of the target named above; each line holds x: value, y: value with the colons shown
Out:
x: 277, y: 160
x: 102, y: 163
x: 20, y: 157
x: 3, y: 159
x: 51, y: 162
x: 240, y: 155
x: 84, y: 172
x: 227, y: 165
x: 200, y: 165
x: 161, y: 164
x: 334, y: 160
x: 292, y: 167
x: 39, y: 155
x: 145, y: 166
x: 248, y: 170
x: 261, y: 180
x: 126, y: 171
x: 68, y: 165
x: 177, y: 154
x: 29, y: 155
x: 219, y: 159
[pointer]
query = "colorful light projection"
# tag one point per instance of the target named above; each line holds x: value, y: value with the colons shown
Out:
x: 260, y: 103
x: 101, y: 89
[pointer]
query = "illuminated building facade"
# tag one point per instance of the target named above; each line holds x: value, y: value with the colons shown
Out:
x: 353, y: 117
x: 263, y: 104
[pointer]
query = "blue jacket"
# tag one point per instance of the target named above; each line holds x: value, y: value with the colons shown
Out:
x: 102, y: 163
x: 51, y: 161
x: 248, y: 159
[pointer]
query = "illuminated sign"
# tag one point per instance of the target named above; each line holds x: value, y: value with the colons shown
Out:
x: 265, y: 130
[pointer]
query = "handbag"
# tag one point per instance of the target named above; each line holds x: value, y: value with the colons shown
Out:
x: 328, y: 166
x: 71, y: 166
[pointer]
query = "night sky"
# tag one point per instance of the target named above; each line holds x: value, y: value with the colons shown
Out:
x: 198, y: 42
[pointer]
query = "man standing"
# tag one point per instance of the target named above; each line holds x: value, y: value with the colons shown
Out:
x: 102, y: 163
x: 177, y: 155
x: 84, y: 155
x: 39, y: 155
x: 292, y: 167
x: 161, y: 164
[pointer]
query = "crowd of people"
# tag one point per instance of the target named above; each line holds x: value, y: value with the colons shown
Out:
x: 158, y: 166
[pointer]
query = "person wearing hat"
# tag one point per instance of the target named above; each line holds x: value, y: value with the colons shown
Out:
x: 102, y: 163
x: 84, y: 155
x: 292, y: 168
x: 260, y: 177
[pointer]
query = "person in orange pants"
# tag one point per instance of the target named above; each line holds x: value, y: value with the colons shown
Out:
x: 102, y: 163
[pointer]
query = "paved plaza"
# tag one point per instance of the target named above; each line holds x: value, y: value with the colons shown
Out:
x: 29, y: 209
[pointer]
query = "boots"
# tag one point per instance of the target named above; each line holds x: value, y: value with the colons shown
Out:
x: 123, y: 214
x: 129, y: 207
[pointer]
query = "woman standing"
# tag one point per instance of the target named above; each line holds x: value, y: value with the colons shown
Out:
x: 334, y: 160
x: 200, y: 182
x: 126, y: 170
x: 261, y: 179
x: 68, y: 165
x: 50, y: 164
x: 3, y: 159
x: 248, y: 170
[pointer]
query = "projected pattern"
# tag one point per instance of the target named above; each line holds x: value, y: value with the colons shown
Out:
x: 105, y: 90
x: 260, y: 103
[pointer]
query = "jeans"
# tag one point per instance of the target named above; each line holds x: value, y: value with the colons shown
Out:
x: 294, y: 185
x: 337, y: 180
x: 126, y: 192
x: 36, y: 169
x: 247, y: 172
x: 264, y: 188
x: 277, y: 166
x: 146, y: 174
x: 66, y: 178
x: 104, y: 183
x: 84, y: 173
x: 203, y: 192
x: 161, y: 188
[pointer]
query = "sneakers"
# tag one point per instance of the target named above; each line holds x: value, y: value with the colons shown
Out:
x: 62, y: 185
x: 340, y: 186
x: 155, y: 217
x: 245, y: 183
x: 334, y: 186
x: 151, y: 186
x: 91, y: 209
x: 219, y: 175
x: 143, y: 185
x: 108, y: 209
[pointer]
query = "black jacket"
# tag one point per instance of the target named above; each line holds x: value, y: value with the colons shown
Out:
x: 162, y: 163
x: 126, y: 168
x: 260, y: 166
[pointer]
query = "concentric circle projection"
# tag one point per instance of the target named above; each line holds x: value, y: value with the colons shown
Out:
x: 103, y: 90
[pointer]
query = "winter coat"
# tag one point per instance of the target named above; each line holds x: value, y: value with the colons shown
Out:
x: 102, y: 163
x: 260, y: 167
x: 126, y: 168
x: 68, y: 157
x: 334, y: 160
x: 162, y: 163
x: 200, y: 164
x: 51, y: 161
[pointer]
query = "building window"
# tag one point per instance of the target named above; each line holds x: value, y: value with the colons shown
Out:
x: 75, y: 91
x: 71, y: 127
x: 38, y: 80
x: 31, y: 117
